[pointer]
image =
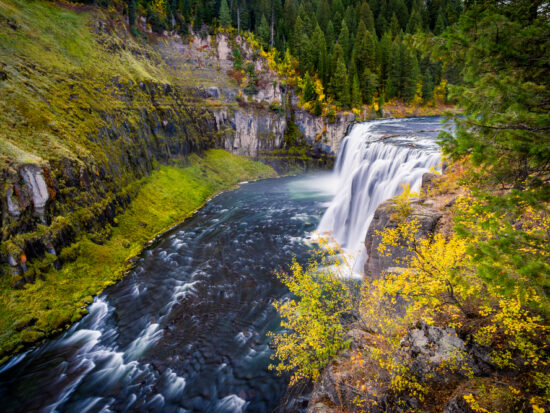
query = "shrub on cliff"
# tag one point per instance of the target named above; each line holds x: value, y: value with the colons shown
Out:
x: 313, y: 319
x: 441, y: 283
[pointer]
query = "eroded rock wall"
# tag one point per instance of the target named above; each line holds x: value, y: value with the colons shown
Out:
x: 45, y: 204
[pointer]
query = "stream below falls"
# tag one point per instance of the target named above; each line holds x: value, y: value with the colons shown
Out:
x: 186, y: 329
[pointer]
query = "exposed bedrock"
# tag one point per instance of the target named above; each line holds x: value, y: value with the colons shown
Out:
x: 322, y: 133
x: 385, y: 217
x: 248, y: 132
x: 426, y: 351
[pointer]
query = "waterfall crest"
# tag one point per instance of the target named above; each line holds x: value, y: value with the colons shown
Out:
x: 374, y: 162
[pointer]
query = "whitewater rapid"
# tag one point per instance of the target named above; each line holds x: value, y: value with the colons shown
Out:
x: 375, y: 160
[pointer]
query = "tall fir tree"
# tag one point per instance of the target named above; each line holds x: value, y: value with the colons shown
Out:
x: 369, y: 83
x: 225, y: 14
x: 263, y: 31
x: 367, y: 17
x: 409, y: 74
x: 364, y: 52
x: 356, y: 96
x: 340, y: 83
x: 344, y: 40
x: 308, y: 89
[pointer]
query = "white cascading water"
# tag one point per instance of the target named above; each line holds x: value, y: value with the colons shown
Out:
x: 373, y: 164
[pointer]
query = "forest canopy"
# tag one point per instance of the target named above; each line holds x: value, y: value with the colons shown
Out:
x: 360, y: 51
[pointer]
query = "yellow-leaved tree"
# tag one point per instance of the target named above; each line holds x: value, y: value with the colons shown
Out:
x: 312, y: 319
x: 438, y: 282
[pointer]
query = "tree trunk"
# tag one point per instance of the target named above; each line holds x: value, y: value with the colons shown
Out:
x: 239, y: 20
x: 271, y: 41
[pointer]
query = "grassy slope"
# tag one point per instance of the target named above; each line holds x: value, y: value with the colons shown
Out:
x: 59, y: 68
x: 168, y: 196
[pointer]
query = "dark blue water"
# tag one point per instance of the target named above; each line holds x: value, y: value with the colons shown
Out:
x: 186, y: 330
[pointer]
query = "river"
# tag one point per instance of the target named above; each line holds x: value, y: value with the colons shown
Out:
x: 186, y: 329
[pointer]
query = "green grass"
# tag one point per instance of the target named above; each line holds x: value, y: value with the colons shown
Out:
x: 60, y: 67
x: 165, y: 198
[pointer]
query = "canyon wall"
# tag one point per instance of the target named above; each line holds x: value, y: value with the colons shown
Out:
x: 80, y: 139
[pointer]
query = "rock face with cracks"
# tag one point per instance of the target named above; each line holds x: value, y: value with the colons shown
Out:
x: 384, y: 217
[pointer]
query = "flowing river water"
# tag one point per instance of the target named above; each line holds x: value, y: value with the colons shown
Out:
x: 187, y: 329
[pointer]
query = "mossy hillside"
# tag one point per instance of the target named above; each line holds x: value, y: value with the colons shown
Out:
x: 95, y: 106
x: 58, y: 76
x: 76, y: 85
x: 166, y: 197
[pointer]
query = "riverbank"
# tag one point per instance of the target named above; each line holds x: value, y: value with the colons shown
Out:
x: 168, y: 196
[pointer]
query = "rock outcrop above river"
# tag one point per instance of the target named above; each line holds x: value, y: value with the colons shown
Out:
x: 386, y: 216
x: 321, y: 133
x: 425, y: 351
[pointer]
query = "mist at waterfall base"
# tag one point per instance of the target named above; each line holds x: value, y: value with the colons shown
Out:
x: 374, y: 162
x: 185, y: 331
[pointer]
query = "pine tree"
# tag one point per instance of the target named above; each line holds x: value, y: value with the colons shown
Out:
x: 308, y: 89
x: 338, y: 8
x: 427, y: 85
x: 394, y: 80
x: 504, y: 132
x: 225, y: 15
x: 369, y: 83
x: 384, y: 55
x: 297, y: 36
x: 343, y: 40
x: 415, y: 22
x: 318, y: 45
x: 263, y: 32
x: 307, y: 54
x: 410, y: 74
x: 350, y: 16
x: 367, y: 17
x: 399, y: 9
x: 337, y: 54
x: 364, y: 51
x: 340, y: 83
x: 395, y: 27
x: 356, y: 98
x: 330, y: 36
x: 290, y: 15
x: 323, y: 14
x: 381, y: 24
x: 439, y: 24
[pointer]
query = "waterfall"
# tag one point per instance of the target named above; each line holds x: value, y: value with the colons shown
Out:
x: 374, y: 162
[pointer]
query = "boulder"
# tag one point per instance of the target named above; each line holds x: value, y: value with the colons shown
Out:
x: 384, y: 217
x: 429, y: 181
x: 333, y: 392
x: 435, y: 354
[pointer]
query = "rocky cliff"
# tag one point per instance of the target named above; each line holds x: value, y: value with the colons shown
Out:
x: 386, y: 217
